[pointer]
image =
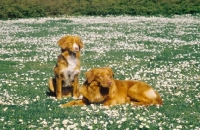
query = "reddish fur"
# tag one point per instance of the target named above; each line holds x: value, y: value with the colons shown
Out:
x: 119, y: 91
x: 55, y: 84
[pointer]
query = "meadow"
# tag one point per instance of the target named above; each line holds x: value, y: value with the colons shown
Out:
x: 164, y: 52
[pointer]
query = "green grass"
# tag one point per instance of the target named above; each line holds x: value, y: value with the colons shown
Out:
x: 163, y: 52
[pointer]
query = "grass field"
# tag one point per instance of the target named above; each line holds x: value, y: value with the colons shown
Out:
x: 164, y: 52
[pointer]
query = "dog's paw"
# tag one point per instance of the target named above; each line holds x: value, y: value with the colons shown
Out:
x: 75, y: 97
x: 78, y: 97
x: 59, y: 97
x: 81, y: 97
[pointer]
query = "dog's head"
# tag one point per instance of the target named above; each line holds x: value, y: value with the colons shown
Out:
x: 70, y: 43
x: 103, y: 76
x: 93, y: 92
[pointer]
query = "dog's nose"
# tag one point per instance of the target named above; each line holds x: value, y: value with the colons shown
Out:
x: 76, y: 49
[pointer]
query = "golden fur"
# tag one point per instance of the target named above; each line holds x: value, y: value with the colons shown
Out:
x: 67, y: 68
x: 101, y: 87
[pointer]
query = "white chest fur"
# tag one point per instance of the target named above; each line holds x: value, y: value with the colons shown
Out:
x: 70, y: 72
x: 72, y: 62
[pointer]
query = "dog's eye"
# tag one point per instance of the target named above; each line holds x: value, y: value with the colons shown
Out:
x: 69, y: 43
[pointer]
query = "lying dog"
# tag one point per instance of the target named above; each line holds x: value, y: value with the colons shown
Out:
x: 67, y: 68
x: 100, y: 87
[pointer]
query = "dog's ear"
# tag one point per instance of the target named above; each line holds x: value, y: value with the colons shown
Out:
x: 89, y: 75
x: 79, y: 41
x: 110, y: 71
x: 62, y: 41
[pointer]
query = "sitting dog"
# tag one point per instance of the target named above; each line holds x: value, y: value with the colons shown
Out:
x: 67, y: 68
x: 100, y: 87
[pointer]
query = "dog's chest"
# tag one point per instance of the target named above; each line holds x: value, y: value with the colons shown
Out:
x: 72, y: 62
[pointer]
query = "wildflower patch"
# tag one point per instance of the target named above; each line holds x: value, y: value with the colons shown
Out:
x: 163, y: 52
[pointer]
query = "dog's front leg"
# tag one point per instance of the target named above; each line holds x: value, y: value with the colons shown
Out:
x: 74, y: 103
x: 75, y: 87
x: 110, y: 102
x: 58, y: 88
x: 80, y: 102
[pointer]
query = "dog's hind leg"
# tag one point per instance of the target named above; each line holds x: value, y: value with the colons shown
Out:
x: 52, y: 84
x: 138, y: 100
x: 145, y: 98
x: 141, y: 95
x: 58, y: 88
